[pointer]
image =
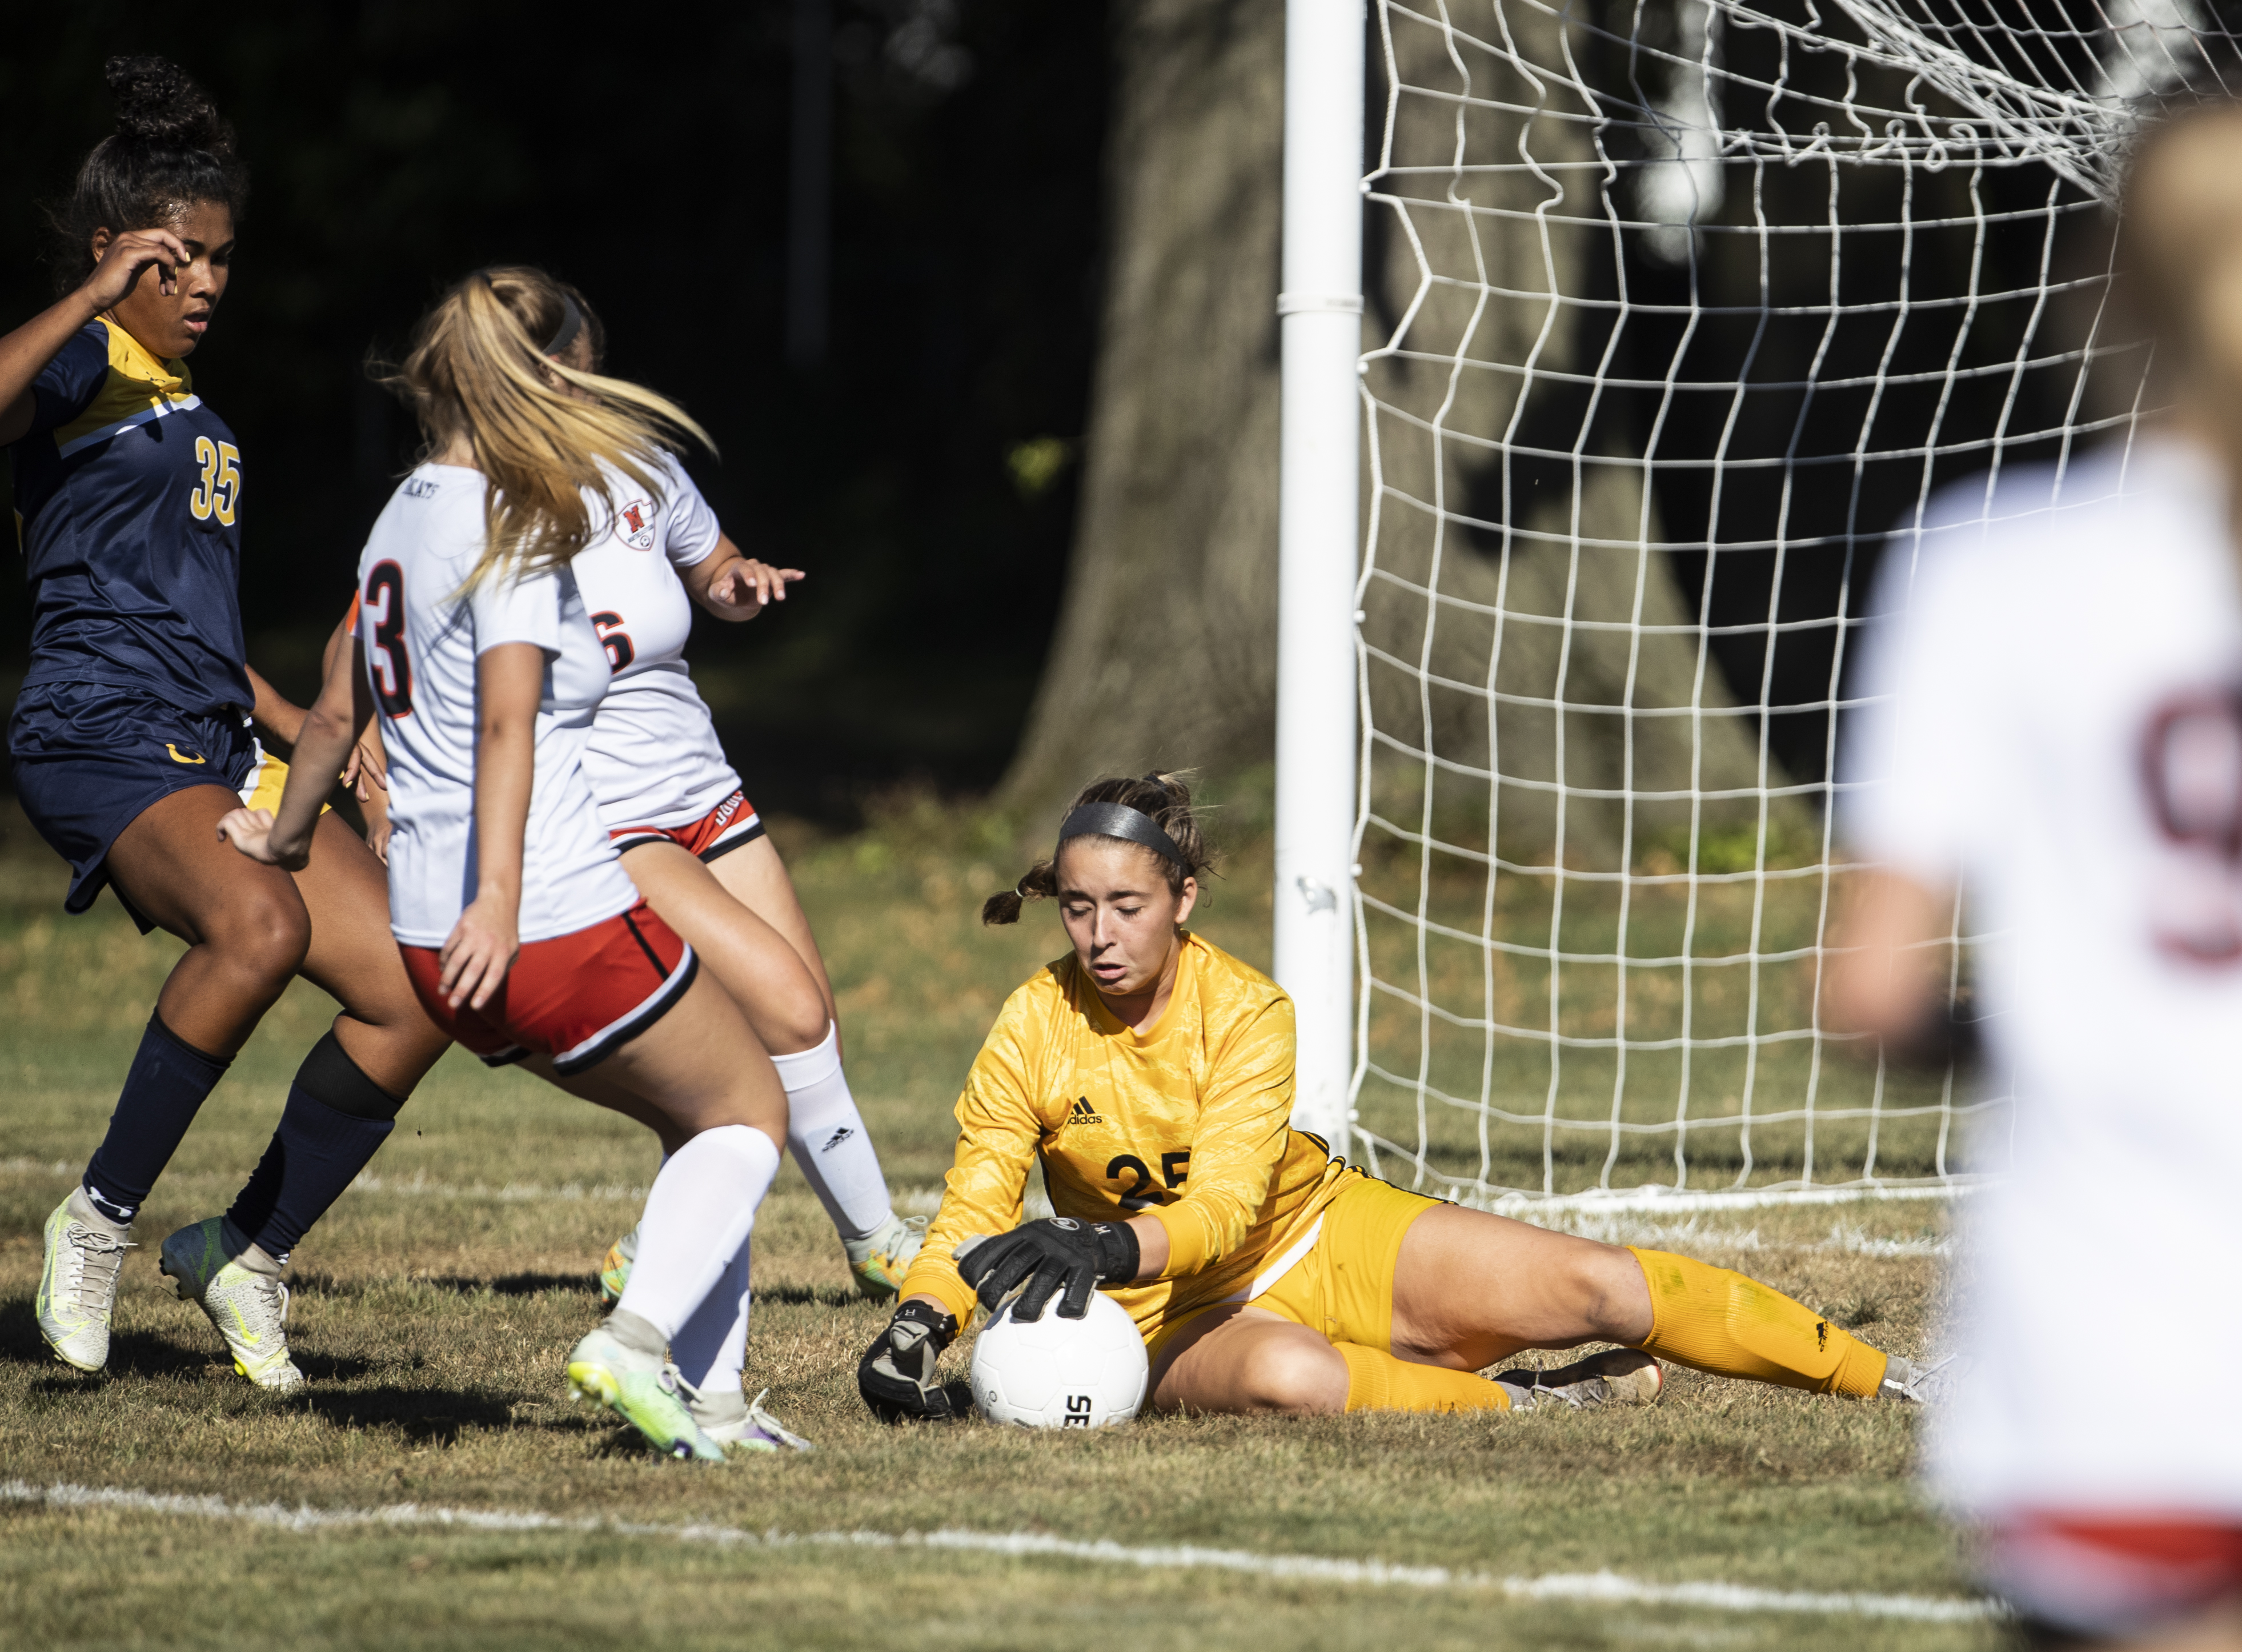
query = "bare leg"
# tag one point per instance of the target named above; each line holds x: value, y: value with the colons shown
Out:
x: 1471, y: 1289
x: 761, y: 967
x: 245, y: 924
x: 351, y: 957
x: 698, y: 1067
x: 1241, y: 1359
x: 756, y: 877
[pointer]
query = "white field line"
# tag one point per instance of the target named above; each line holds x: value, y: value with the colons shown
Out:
x: 1594, y: 1587
x: 1616, y: 1222
x: 1672, y: 1201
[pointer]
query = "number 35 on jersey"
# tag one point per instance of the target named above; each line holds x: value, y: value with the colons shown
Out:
x: 220, y: 490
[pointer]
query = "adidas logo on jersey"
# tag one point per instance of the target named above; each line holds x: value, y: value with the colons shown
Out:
x: 1082, y: 1113
x: 836, y: 1138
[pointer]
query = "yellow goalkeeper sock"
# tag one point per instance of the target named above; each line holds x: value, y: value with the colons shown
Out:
x: 1378, y: 1381
x: 1720, y: 1321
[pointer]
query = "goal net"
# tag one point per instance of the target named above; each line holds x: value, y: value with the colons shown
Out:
x: 1678, y: 309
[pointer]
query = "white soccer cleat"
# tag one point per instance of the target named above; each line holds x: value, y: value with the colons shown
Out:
x: 739, y: 1424
x: 1617, y: 1377
x: 879, y: 1259
x: 249, y: 1308
x: 1926, y: 1386
x: 77, y: 1281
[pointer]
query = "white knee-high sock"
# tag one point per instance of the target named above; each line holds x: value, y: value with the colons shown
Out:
x: 697, y: 1217
x: 829, y: 1140
x: 711, y: 1347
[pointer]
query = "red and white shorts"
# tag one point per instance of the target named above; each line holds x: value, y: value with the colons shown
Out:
x: 731, y: 824
x: 576, y: 997
x: 2114, y: 1577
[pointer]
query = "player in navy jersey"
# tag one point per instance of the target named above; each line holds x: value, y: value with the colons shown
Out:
x: 133, y: 735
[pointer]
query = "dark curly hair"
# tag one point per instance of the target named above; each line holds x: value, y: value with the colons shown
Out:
x: 1163, y: 797
x: 171, y: 150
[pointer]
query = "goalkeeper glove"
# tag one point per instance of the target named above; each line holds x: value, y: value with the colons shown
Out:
x: 1057, y: 1254
x: 896, y: 1375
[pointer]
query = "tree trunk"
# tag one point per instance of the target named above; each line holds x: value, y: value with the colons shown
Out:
x: 1165, y: 652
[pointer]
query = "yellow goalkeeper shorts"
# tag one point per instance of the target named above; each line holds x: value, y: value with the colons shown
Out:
x: 1337, y: 1277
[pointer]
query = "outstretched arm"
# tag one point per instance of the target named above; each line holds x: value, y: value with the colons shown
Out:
x: 323, y: 740
x: 734, y: 587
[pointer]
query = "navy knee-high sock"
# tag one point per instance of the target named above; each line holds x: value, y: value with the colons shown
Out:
x: 162, y: 1091
x: 336, y: 1120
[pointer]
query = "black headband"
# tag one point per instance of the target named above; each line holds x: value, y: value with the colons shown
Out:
x: 572, y: 319
x: 1119, y: 820
x: 572, y: 323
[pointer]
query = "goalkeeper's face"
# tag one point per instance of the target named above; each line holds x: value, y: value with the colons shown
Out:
x: 1120, y: 913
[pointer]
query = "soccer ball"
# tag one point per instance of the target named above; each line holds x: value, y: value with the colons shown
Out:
x: 1056, y: 1373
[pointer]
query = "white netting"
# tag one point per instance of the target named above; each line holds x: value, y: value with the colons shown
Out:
x: 1683, y: 307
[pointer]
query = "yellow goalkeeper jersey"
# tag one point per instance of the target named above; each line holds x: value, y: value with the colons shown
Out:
x: 1187, y: 1121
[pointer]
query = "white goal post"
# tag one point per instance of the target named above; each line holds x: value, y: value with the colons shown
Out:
x: 1614, y: 345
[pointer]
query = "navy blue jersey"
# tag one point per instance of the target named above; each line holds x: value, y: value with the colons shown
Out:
x: 128, y: 491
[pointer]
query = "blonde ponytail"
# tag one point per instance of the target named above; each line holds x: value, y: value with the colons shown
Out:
x: 477, y: 372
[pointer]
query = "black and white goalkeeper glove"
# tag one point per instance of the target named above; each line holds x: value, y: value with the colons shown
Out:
x: 897, y: 1376
x: 1056, y: 1254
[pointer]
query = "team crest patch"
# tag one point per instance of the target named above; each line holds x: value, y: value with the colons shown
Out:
x: 635, y: 524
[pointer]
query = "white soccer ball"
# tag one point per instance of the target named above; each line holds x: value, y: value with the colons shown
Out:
x: 1056, y: 1373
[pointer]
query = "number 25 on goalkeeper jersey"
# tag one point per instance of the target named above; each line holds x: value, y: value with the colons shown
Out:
x: 1187, y: 1121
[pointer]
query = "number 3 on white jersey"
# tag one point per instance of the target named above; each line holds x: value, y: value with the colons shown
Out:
x: 383, y: 627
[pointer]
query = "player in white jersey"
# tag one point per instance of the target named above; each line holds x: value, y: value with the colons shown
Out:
x: 2054, y: 729
x: 695, y: 846
x: 520, y: 933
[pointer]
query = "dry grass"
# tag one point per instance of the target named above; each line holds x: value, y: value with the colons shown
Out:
x: 434, y: 1304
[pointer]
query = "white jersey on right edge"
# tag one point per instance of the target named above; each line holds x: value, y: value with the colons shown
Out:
x: 2060, y: 730
x: 653, y: 758
x: 422, y: 638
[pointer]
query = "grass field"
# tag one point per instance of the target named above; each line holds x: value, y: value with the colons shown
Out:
x: 433, y: 1306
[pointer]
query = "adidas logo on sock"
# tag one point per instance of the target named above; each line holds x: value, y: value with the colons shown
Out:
x: 836, y: 1138
x: 1082, y: 1113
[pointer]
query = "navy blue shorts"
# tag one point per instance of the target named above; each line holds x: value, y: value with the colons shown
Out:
x: 89, y: 759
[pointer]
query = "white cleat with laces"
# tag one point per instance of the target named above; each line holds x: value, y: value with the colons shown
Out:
x: 211, y: 1266
x: 77, y: 1281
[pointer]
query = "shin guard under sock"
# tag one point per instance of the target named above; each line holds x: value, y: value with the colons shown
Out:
x: 335, y: 1121
x: 1378, y: 1381
x: 711, y: 1347
x: 697, y: 1216
x: 1721, y: 1321
x: 830, y: 1144
x: 163, y: 1090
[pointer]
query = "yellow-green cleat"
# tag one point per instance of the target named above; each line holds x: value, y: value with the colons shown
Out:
x: 645, y: 1391
x: 615, y: 1267
x: 248, y: 1306
x: 77, y: 1281
x: 882, y: 1258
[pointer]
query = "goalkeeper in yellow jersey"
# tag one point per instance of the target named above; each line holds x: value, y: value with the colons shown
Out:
x: 1151, y: 1074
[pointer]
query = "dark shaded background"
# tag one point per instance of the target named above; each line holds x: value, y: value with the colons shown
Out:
x: 642, y: 152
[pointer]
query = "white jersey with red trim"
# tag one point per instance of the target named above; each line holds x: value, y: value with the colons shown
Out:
x: 423, y: 635
x: 653, y: 758
x: 2051, y: 720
